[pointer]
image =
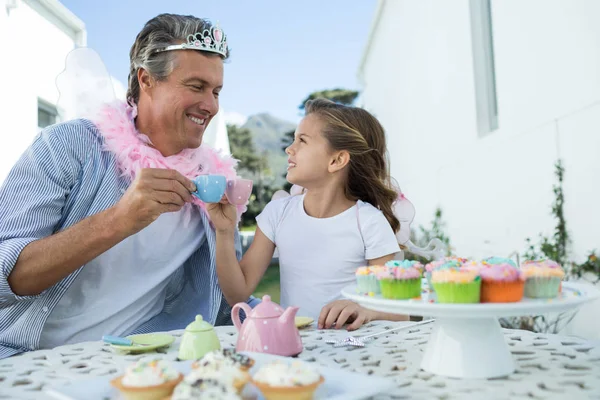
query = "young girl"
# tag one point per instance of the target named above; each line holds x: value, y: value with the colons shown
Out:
x: 343, y: 219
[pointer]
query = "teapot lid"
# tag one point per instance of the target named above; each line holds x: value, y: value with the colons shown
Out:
x: 266, y: 309
x: 199, y: 325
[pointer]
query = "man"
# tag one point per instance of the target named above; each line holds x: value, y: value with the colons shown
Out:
x: 99, y: 232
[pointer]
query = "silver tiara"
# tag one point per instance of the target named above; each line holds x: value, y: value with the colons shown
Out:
x: 213, y: 40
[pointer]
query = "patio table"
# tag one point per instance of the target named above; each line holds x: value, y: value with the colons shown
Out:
x: 548, y: 366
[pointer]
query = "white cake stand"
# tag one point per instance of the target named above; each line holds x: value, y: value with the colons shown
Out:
x: 467, y: 340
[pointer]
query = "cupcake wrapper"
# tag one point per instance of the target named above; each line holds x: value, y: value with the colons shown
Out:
x: 450, y: 292
x: 398, y: 289
x: 367, y: 284
x: 502, y: 292
x: 542, y: 287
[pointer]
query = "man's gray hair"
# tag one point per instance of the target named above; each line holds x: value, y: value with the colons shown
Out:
x: 158, y: 33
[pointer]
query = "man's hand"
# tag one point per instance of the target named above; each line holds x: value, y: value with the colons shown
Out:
x: 153, y: 192
x: 340, y: 312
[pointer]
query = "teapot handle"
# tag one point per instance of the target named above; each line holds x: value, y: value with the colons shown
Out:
x: 235, y: 314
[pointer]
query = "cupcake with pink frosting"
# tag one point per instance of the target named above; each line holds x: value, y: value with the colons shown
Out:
x: 474, y: 266
x: 501, y: 283
x: 543, y: 278
x: 400, y: 283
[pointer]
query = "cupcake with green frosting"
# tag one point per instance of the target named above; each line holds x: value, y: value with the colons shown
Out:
x: 456, y: 286
x: 400, y: 283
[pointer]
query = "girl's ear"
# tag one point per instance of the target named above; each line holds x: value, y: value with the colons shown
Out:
x: 339, y: 160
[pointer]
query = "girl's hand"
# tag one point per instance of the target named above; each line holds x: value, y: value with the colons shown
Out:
x: 340, y: 312
x: 223, y: 215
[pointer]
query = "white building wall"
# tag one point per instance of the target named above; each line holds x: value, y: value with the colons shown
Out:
x: 33, y: 54
x: 494, y: 190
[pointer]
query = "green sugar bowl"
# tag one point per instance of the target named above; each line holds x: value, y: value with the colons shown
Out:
x: 198, y: 339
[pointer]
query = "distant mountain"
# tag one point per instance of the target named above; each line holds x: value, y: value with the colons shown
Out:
x: 267, y: 133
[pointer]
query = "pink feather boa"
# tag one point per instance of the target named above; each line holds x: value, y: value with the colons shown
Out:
x: 132, y: 151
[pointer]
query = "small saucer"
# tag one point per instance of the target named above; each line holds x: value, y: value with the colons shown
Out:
x: 146, y: 342
x: 303, y: 322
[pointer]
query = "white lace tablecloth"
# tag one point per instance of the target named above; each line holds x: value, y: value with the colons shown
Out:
x: 548, y: 366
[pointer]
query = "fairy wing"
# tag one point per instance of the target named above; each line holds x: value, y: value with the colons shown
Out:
x: 84, y: 85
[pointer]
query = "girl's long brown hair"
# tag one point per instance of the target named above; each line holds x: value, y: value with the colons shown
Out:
x: 359, y: 133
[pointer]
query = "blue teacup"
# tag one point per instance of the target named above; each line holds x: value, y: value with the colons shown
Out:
x: 210, y: 188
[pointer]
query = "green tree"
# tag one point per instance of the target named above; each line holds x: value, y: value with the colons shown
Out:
x: 555, y: 247
x: 342, y: 96
x: 242, y: 148
x: 253, y: 166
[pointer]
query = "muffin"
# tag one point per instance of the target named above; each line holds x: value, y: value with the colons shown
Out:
x: 204, y: 389
x: 400, y: 283
x: 366, y: 280
x: 147, y: 380
x: 499, y: 260
x: 456, y: 286
x: 227, y: 357
x: 280, y: 380
x: 543, y: 278
x: 474, y: 266
x: 444, y: 263
x: 501, y: 283
x: 227, y: 374
x: 406, y: 264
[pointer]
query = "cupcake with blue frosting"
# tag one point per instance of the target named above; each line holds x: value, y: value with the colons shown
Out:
x: 499, y: 260
x: 443, y: 264
x: 406, y: 264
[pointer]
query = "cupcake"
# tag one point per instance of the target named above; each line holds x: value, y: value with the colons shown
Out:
x: 366, y: 281
x: 444, y: 263
x: 456, y: 286
x: 501, y: 283
x: 400, y: 283
x: 227, y: 357
x: 290, y: 381
x: 405, y: 264
x: 227, y: 374
x: 543, y: 278
x: 499, y: 260
x: 147, y: 380
x: 204, y: 389
x: 474, y: 266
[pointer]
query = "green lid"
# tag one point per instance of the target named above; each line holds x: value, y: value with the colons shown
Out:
x: 199, y: 325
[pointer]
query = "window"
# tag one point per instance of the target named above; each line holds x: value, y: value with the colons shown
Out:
x: 47, y: 114
x: 483, y: 66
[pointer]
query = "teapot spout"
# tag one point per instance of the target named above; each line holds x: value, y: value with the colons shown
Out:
x: 288, y: 315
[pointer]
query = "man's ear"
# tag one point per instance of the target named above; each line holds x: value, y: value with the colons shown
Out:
x: 145, y: 80
x: 339, y: 160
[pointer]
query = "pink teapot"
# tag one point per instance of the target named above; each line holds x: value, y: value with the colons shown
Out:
x: 267, y: 328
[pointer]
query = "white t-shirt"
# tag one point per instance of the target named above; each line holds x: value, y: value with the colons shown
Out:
x: 126, y: 285
x: 318, y: 257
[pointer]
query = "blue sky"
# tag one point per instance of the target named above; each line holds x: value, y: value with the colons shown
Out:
x: 281, y: 50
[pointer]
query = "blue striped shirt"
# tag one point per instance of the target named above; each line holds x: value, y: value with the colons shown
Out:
x: 62, y: 178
